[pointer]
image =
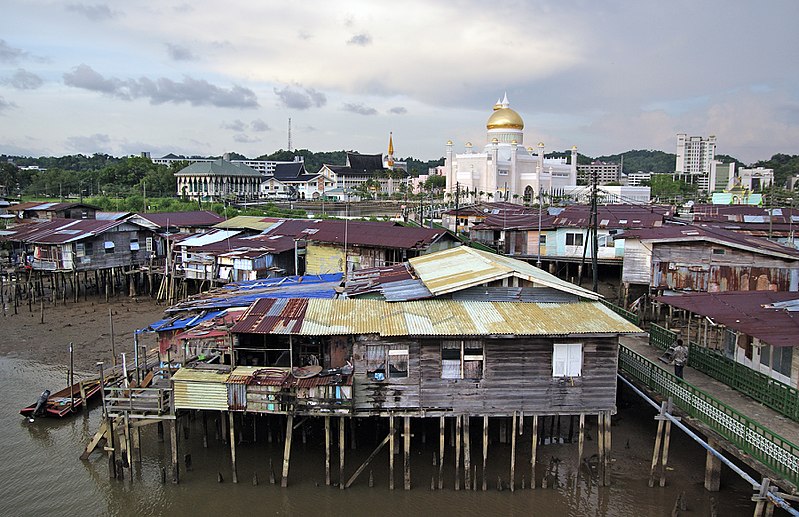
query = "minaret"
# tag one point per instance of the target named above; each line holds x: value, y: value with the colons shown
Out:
x: 390, y: 157
x: 540, y: 166
x: 448, y: 168
x: 573, y: 168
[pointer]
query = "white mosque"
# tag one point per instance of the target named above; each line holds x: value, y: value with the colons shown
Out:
x: 504, y: 167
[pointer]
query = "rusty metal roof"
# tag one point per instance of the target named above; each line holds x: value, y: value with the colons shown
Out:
x: 462, y: 267
x: 61, y: 231
x: 196, y: 218
x: 435, y: 317
x: 215, y: 375
x: 704, y: 232
x: 366, y: 233
x: 744, y: 311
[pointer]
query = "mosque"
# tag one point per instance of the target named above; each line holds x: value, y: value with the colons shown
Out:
x: 505, y: 168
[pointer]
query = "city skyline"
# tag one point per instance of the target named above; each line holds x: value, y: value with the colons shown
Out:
x: 192, y: 79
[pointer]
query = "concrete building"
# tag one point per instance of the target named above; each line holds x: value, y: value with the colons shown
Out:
x: 218, y: 179
x: 695, y: 156
x: 605, y: 173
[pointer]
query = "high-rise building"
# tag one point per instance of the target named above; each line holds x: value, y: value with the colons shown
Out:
x: 695, y: 156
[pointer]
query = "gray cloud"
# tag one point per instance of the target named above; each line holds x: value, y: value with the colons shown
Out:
x: 9, y: 54
x: 236, y: 125
x: 196, y: 92
x: 259, y: 125
x: 304, y: 35
x: 23, y: 80
x: 359, y: 108
x: 297, y: 97
x: 6, y: 105
x: 89, y: 144
x: 180, y: 53
x: 361, y: 40
x: 244, y: 139
x: 398, y: 110
x: 96, y: 12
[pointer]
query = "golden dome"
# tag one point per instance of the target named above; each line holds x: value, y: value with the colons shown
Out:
x: 504, y: 118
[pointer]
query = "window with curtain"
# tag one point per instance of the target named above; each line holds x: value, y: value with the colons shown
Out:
x: 387, y: 361
x: 567, y: 360
x: 462, y: 359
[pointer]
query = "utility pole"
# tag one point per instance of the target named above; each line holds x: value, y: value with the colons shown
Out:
x: 457, y: 205
x: 594, y: 237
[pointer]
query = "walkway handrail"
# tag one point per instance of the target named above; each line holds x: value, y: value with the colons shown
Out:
x: 777, y: 395
x: 628, y: 315
x: 757, y: 441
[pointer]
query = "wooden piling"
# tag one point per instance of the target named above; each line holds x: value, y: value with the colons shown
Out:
x: 712, y: 468
x: 391, y: 453
x: 485, y: 449
x: 173, y: 434
x: 341, y: 453
x: 205, y: 430
x: 581, y: 439
x: 664, y: 457
x: 513, y: 454
x: 467, y: 459
x: 458, y: 452
x: 533, y: 450
x: 232, y: 427
x: 327, y: 451
x: 608, y: 448
x: 286, y: 450
x: 442, y: 427
x: 407, y: 451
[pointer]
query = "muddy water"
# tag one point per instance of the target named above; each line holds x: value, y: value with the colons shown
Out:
x: 40, y: 473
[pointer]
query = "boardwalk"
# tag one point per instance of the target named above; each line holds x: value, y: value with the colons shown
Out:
x: 744, y: 405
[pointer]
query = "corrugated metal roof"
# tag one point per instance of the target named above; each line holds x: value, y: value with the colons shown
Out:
x: 250, y: 222
x: 202, y: 375
x: 745, y: 312
x: 61, y: 231
x: 435, y: 317
x: 365, y: 233
x: 204, y: 239
x: 458, y: 268
x: 196, y: 218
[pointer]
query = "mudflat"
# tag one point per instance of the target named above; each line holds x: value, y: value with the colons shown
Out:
x: 86, y: 324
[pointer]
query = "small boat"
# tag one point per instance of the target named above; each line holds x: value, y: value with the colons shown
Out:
x: 60, y: 403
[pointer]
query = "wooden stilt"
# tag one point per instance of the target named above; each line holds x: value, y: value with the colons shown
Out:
x: 712, y: 468
x: 391, y: 453
x: 458, y: 452
x: 485, y: 450
x: 664, y: 457
x: 581, y: 439
x: 232, y: 426
x: 467, y: 459
x: 327, y: 451
x: 173, y: 434
x: 608, y: 448
x: 341, y: 452
x: 513, y: 454
x: 655, y: 454
x: 205, y: 430
x: 284, y: 481
x: 370, y: 458
x: 442, y: 425
x: 533, y: 450
x: 407, y: 451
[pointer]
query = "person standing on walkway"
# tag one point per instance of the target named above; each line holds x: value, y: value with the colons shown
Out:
x: 679, y: 358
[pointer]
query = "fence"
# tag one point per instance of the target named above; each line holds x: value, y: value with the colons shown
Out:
x: 768, y: 391
x: 629, y: 316
x: 760, y: 443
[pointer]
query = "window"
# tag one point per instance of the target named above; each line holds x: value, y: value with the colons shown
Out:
x: 80, y: 250
x: 574, y: 239
x: 386, y: 361
x: 542, y: 239
x: 134, y: 245
x: 109, y: 247
x: 719, y: 251
x: 462, y: 359
x: 782, y: 358
x: 567, y: 359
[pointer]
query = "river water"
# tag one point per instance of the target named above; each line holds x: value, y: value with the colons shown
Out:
x: 41, y: 474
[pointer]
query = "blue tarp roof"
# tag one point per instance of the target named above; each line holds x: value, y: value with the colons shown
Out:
x: 175, y: 323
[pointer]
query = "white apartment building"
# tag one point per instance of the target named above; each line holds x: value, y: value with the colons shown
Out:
x: 695, y: 156
x: 605, y: 173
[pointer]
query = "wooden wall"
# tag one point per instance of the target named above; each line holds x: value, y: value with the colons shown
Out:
x: 517, y: 377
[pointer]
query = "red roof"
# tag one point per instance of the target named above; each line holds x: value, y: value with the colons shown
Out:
x: 362, y: 233
x: 743, y: 311
x: 268, y: 314
x: 614, y: 216
x: 59, y: 231
x: 197, y: 218
x: 702, y: 232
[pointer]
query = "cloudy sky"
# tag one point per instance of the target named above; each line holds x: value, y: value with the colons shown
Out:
x: 206, y: 77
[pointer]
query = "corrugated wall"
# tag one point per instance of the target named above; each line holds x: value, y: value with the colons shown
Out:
x: 321, y: 259
x: 201, y: 395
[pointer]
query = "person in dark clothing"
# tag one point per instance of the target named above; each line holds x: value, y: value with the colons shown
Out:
x: 679, y: 358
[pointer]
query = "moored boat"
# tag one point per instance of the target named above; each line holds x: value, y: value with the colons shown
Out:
x: 62, y: 402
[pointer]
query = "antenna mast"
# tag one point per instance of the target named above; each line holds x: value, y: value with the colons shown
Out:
x: 289, y: 134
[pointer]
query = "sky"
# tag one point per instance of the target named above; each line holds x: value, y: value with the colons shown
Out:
x: 206, y: 77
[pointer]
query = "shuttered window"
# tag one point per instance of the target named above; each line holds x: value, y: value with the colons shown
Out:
x: 567, y: 360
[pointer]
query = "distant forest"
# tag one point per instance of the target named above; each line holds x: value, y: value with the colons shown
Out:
x: 106, y: 175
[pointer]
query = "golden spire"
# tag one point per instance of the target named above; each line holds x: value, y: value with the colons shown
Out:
x: 390, y: 157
